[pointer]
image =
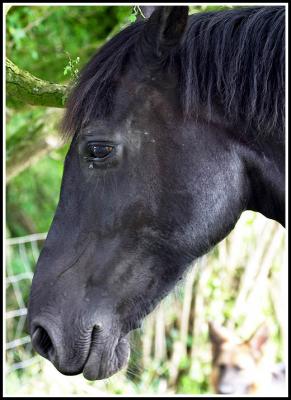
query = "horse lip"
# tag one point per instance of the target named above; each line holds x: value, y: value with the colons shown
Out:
x: 93, y: 365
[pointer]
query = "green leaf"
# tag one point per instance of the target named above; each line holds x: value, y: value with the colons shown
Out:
x: 132, y: 18
x: 67, y: 69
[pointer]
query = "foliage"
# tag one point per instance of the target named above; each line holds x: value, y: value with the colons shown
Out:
x: 42, y: 39
x: 31, y: 210
x: 72, y: 67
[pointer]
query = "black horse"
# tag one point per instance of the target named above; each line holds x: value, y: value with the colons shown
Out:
x: 177, y: 127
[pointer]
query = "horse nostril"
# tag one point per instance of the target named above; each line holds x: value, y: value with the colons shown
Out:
x: 42, y: 343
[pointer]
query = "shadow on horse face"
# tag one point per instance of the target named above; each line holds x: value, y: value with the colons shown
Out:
x: 144, y: 193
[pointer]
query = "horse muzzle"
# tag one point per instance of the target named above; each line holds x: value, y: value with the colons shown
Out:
x: 98, y: 354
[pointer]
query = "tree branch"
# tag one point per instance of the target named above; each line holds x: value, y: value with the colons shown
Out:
x: 23, y: 86
x: 29, y: 144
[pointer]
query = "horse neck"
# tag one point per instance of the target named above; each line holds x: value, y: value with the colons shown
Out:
x: 265, y: 166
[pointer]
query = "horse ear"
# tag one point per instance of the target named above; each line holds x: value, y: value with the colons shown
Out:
x: 165, y: 28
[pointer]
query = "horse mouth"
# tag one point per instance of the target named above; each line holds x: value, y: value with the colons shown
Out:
x: 101, y: 355
x: 105, y: 358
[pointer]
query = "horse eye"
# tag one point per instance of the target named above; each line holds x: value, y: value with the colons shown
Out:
x: 99, y: 151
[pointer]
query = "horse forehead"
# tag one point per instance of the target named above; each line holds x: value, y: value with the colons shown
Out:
x: 145, y: 90
x: 145, y: 97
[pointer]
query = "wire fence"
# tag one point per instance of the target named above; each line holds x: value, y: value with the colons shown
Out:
x: 21, y: 256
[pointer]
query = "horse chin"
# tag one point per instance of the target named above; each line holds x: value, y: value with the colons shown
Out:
x: 104, y: 360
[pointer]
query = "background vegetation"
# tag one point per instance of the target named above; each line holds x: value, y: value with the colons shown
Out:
x: 240, y: 283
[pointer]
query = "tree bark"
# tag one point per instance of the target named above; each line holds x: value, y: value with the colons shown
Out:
x: 25, y: 87
x: 29, y: 144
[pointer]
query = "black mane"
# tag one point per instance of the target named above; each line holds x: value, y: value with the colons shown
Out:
x: 235, y: 59
x: 232, y: 61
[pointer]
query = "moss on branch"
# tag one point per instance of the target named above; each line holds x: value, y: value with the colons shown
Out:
x: 23, y: 86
